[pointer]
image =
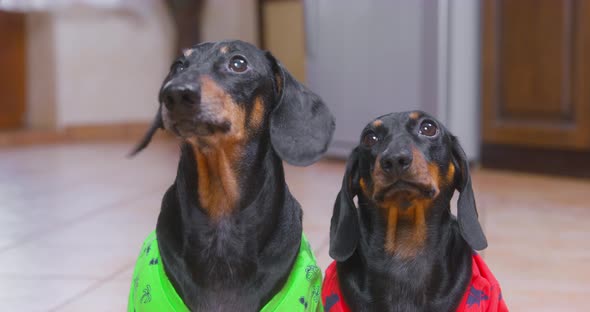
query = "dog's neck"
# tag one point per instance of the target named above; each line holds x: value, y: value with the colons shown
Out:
x: 405, y: 234
x: 218, y: 179
x: 218, y: 228
x: 401, y: 256
x: 229, y: 175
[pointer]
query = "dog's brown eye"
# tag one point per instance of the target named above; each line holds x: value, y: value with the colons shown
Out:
x: 177, y: 66
x: 238, y: 64
x: 370, y: 138
x: 428, y: 128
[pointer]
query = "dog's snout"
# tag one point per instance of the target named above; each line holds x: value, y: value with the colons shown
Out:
x: 181, y: 94
x: 396, y: 162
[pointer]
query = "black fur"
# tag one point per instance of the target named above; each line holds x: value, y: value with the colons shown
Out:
x: 240, y: 262
x: 301, y: 124
x: 372, y: 279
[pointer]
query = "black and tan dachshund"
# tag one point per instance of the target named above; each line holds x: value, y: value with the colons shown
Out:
x: 229, y: 230
x: 402, y: 249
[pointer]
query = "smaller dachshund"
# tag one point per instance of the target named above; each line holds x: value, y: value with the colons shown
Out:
x: 402, y: 249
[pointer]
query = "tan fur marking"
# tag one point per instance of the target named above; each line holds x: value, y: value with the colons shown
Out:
x: 215, y: 101
x: 406, y: 228
x: 391, y: 230
x: 217, y: 155
x: 434, y: 172
x: 416, y: 238
x: 451, y: 173
x: 377, y: 123
x: 414, y: 115
x: 405, y: 212
x: 423, y: 172
x: 187, y: 52
x: 218, y: 189
x: 257, y: 114
x: 379, y: 179
x: 363, y: 186
x: 224, y: 49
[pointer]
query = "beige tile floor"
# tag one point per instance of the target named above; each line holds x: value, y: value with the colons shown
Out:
x: 72, y: 218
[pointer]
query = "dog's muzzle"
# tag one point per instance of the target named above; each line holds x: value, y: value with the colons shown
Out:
x: 185, y: 113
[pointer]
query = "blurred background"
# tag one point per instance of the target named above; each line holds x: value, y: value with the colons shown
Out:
x: 79, y: 82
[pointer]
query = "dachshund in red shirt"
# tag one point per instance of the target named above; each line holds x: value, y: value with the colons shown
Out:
x: 402, y: 249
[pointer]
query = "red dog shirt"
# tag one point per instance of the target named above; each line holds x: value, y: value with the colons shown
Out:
x: 482, y: 294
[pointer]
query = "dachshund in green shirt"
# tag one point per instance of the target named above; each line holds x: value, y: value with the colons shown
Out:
x: 229, y: 230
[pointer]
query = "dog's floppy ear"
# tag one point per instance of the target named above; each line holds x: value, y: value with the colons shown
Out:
x: 344, y: 226
x: 466, y: 209
x: 301, y: 125
x: 147, y: 137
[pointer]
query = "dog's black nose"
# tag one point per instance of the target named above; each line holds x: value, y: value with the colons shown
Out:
x: 397, y: 162
x: 181, y: 94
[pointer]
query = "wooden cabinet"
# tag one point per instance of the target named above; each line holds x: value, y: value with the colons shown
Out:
x: 282, y: 32
x: 536, y: 79
x: 12, y: 70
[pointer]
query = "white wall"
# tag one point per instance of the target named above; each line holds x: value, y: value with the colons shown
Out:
x: 109, y: 66
x: 41, y: 84
x: 230, y: 19
x: 90, y: 66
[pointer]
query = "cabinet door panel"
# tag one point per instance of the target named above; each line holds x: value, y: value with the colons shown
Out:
x: 12, y: 70
x: 536, y: 70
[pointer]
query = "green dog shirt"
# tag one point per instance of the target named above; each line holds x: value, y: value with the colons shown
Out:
x: 151, y: 289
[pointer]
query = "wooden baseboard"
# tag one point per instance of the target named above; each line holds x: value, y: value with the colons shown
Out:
x: 536, y: 160
x: 79, y: 133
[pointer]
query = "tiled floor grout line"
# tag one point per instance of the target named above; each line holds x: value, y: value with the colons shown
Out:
x: 7, y: 276
x: 92, y: 287
x: 98, y: 177
x: 62, y: 225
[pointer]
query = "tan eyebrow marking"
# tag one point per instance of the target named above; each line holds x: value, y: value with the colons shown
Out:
x: 187, y: 52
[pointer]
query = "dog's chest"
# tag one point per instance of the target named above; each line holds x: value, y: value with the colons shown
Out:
x: 224, y: 301
x: 222, y: 256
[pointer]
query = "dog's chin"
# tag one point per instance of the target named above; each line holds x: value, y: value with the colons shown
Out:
x: 404, y: 192
x: 199, y: 129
